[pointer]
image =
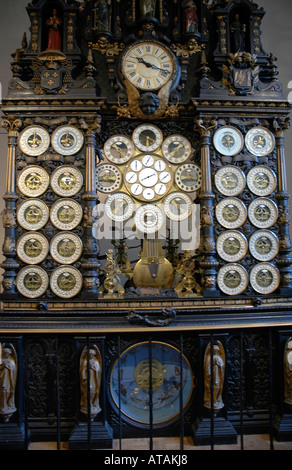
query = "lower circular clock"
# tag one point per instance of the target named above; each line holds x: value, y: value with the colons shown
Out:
x: 66, y: 214
x: 66, y: 181
x: 171, y: 379
x: 178, y: 206
x: 264, y: 278
x: 33, y: 181
x: 230, y: 180
x: 148, y: 218
x: 263, y: 245
x: 261, y: 180
x: 263, y: 212
x: 232, y: 246
x: 108, y: 178
x: 32, y: 214
x: 32, y: 248
x: 232, y: 279
x: 66, y: 281
x: 259, y: 141
x: 66, y: 247
x: 188, y: 177
x: 32, y: 281
x: 119, y: 206
x: 231, y: 212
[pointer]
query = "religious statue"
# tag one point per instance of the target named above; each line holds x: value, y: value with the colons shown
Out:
x: 93, y: 372
x: 190, y: 17
x: 147, y: 7
x: 288, y: 372
x: 54, y: 36
x: 101, y: 15
x: 237, y: 30
x: 8, y: 376
x: 218, y: 376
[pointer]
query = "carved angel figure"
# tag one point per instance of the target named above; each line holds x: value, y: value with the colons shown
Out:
x: 218, y: 376
x: 93, y: 371
x: 8, y: 375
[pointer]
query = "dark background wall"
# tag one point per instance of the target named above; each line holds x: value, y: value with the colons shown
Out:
x: 276, y: 38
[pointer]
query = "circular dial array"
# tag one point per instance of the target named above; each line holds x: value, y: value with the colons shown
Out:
x: 148, y: 177
x: 148, y: 65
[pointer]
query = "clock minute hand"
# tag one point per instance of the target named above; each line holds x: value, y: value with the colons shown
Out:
x: 151, y: 66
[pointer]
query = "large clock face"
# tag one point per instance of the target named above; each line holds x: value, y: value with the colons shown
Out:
x: 148, y: 65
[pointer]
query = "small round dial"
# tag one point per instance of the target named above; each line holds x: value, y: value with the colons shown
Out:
x: 259, y: 141
x: 228, y: 140
x: 119, y: 206
x: 176, y: 149
x: 264, y: 278
x: 148, y: 65
x: 230, y: 180
x: 178, y: 206
x: 34, y: 140
x: 148, y: 177
x: 108, y: 178
x: 118, y: 149
x: 147, y: 137
x: 66, y: 181
x: 67, y: 140
x: 148, y: 218
x: 261, y: 180
x: 33, y: 181
x: 188, y: 177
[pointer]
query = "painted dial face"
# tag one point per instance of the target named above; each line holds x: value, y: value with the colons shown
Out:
x: 67, y: 140
x: 119, y: 206
x: 178, y: 206
x: 261, y: 180
x: 118, y: 149
x: 108, y: 178
x: 176, y: 149
x: 34, y: 140
x: 188, y: 177
x: 259, y: 141
x: 228, y: 140
x: 147, y: 137
x: 148, y: 65
x: 148, y: 177
x: 33, y: 181
x: 148, y: 218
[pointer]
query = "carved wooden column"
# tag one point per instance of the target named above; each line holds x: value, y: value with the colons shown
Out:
x: 208, y: 263
x: 90, y: 263
x: 10, y: 265
x: 284, y: 260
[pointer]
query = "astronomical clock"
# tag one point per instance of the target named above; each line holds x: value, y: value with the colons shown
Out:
x: 145, y: 187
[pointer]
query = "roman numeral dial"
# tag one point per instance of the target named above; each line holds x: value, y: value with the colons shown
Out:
x: 148, y: 65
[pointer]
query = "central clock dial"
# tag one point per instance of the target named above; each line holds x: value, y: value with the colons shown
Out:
x: 148, y: 65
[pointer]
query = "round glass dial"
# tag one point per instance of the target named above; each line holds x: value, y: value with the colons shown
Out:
x: 259, y: 141
x: 66, y: 214
x: 66, y: 181
x: 34, y: 140
x: 264, y: 278
x: 232, y: 246
x: 118, y: 149
x: 232, y: 279
x: 176, y: 149
x: 263, y: 212
x: 264, y: 245
x: 148, y: 218
x: 261, y: 180
x: 66, y: 281
x: 119, y: 206
x: 147, y: 137
x: 32, y: 248
x: 148, y: 65
x: 230, y: 180
x: 228, y: 140
x: 108, y: 178
x: 32, y: 214
x: 66, y: 247
x: 231, y: 212
x: 32, y: 281
x: 188, y: 177
x: 178, y: 206
x: 67, y: 140
x: 148, y: 177
x: 33, y: 181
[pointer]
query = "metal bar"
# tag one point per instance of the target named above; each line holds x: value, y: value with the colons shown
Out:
x: 150, y: 397
x: 58, y: 395
x: 212, y: 390
x: 241, y: 391
x: 88, y: 397
x: 181, y: 408
x: 119, y: 392
x: 270, y: 362
x: 25, y: 398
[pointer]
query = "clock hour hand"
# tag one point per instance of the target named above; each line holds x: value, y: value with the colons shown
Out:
x: 151, y: 66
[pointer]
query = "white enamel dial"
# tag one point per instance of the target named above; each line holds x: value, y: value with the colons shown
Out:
x: 148, y: 218
x: 118, y: 149
x: 188, y: 177
x: 178, y: 206
x: 108, y: 178
x: 147, y: 137
x: 34, y: 140
x: 119, y: 206
x: 67, y: 140
x: 148, y: 65
x: 176, y: 149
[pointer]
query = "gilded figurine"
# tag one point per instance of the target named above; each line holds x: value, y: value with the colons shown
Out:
x: 218, y: 376
x: 8, y: 376
x: 93, y: 371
